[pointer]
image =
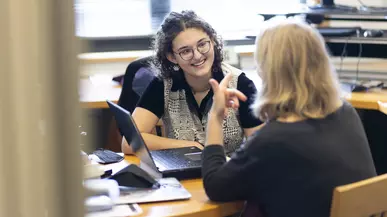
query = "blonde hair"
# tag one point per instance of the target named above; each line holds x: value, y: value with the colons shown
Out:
x: 297, y: 75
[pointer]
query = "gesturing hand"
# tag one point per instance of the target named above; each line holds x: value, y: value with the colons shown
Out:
x: 224, y: 97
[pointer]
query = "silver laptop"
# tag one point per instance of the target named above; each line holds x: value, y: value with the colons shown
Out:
x: 181, y: 163
x: 170, y: 189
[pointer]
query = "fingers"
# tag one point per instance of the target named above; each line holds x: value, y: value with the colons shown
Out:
x: 234, y: 93
x: 230, y: 104
x: 226, y: 80
x: 233, y: 103
x: 223, y: 84
x: 232, y: 98
x: 214, y: 85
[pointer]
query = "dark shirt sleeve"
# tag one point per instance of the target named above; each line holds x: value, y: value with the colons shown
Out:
x: 153, y: 98
x: 232, y: 180
x: 247, y: 87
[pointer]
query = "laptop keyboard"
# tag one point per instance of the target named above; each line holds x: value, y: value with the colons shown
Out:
x: 172, y: 160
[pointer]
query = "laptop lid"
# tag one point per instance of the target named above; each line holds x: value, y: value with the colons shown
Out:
x: 133, y: 136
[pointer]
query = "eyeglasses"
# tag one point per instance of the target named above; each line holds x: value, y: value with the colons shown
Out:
x: 188, y: 53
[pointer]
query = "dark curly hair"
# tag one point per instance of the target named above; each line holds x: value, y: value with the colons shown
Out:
x: 172, y: 25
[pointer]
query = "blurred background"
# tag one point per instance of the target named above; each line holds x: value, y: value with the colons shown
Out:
x: 114, y: 33
x: 58, y: 61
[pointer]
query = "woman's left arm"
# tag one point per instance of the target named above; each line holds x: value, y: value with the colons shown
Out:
x: 225, y: 181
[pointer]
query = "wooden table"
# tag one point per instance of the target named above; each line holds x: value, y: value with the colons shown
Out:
x: 95, y: 96
x: 367, y: 100
x: 198, y: 205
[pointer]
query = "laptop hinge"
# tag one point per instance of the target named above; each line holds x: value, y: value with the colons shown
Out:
x: 155, y: 174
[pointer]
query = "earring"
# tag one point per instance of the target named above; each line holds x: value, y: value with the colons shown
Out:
x: 176, y: 67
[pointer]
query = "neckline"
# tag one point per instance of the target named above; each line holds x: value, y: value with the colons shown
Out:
x: 204, y: 91
x: 309, y: 119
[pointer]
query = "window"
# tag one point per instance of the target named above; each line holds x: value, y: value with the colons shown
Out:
x: 116, y: 18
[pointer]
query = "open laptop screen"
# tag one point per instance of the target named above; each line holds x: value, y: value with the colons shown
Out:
x: 129, y: 129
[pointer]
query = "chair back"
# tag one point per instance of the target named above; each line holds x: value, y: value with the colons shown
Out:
x: 367, y: 198
x: 137, y: 77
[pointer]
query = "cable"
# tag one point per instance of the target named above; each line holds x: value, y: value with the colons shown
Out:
x: 343, y: 54
x: 358, y: 61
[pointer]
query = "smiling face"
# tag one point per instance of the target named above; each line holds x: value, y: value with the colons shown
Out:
x: 193, y: 51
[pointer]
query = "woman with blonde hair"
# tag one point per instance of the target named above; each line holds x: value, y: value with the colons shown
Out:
x: 311, y: 142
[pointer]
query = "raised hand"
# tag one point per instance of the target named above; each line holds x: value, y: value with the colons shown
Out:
x: 225, y: 97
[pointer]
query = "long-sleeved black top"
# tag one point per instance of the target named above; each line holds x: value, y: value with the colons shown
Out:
x: 291, y: 169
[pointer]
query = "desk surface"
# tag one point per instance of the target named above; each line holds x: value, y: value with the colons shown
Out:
x: 367, y: 100
x: 93, y: 96
x: 198, y: 205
